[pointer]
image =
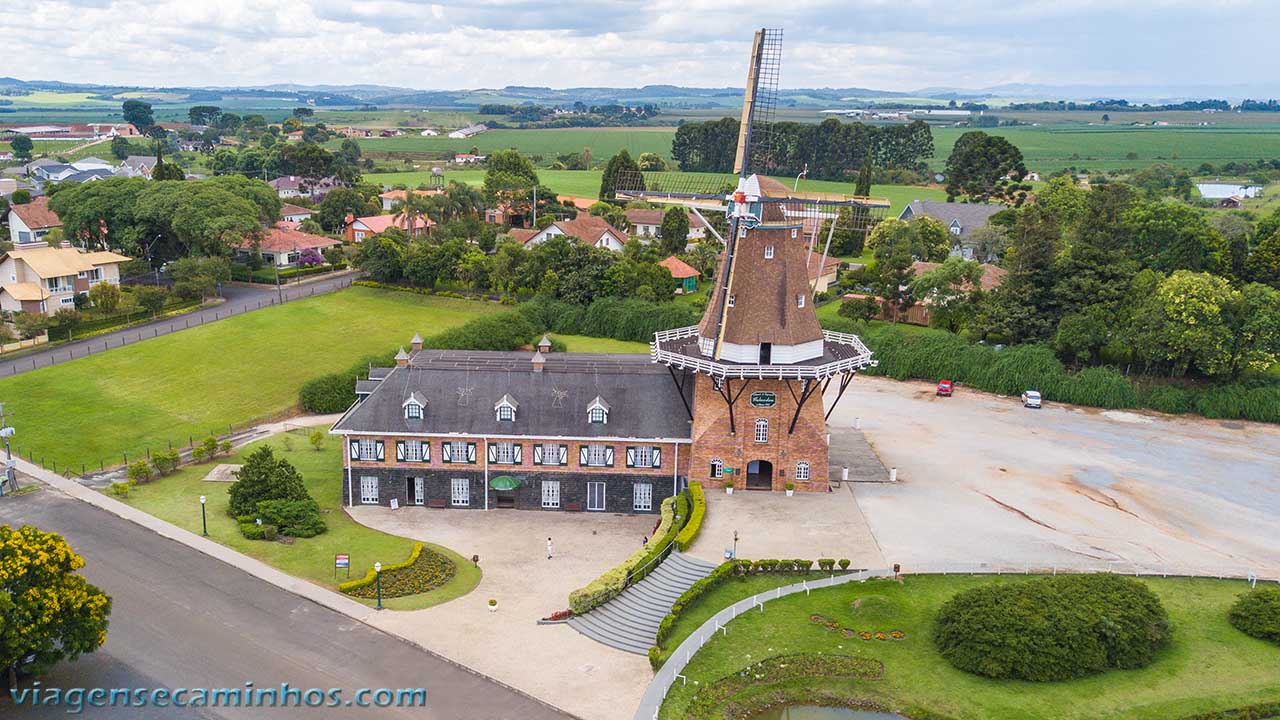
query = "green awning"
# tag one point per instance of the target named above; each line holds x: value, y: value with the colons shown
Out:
x: 504, y: 482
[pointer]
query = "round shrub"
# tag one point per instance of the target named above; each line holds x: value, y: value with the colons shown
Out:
x: 1052, y: 628
x: 1257, y: 614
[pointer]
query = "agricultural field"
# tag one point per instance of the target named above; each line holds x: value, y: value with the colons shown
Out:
x: 53, y: 99
x: 1208, y: 666
x: 604, y: 143
x: 586, y: 183
x: 199, y: 381
x: 397, y: 118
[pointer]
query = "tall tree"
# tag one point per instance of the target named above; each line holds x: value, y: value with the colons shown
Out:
x: 619, y: 167
x: 1024, y: 308
x: 119, y: 148
x: 1263, y: 265
x: 894, y: 265
x: 675, y: 230
x: 985, y: 167
x: 204, y: 114
x: 22, y: 147
x: 138, y: 114
x: 48, y: 610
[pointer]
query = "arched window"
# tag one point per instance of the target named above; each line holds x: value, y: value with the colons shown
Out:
x: 717, y: 468
x: 762, y: 430
x: 802, y: 470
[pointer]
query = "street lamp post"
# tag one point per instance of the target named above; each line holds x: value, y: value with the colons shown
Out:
x: 735, y: 544
x: 7, y: 432
x: 204, y: 521
x: 377, y: 578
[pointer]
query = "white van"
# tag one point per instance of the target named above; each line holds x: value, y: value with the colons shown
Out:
x: 1031, y: 399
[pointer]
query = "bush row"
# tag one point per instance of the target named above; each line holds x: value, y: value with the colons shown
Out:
x: 641, y: 562
x: 698, y: 510
x: 617, y: 318
x: 415, y: 290
x: 334, y: 392
x: 241, y: 273
x: 932, y: 355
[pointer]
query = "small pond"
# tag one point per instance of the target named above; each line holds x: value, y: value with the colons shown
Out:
x: 813, y: 712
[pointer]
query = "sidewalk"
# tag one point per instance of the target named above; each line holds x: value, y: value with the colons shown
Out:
x: 389, y: 621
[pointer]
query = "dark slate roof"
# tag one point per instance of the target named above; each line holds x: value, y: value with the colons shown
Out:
x: 970, y: 215
x: 364, y: 387
x: 643, y: 398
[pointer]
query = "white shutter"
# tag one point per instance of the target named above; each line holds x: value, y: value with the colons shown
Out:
x: 608, y: 456
x: 537, y: 454
x: 564, y: 454
x: 471, y: 453
x: 657, y: 457
x: 493, y: 452
x: 353, y: 449
x: 582, y: 455
x: 400, y: 450
x: 382, y: 452
x: 515, y: 454
x: 631, y: 457
x: 446, y: 449
x: 426, y: 451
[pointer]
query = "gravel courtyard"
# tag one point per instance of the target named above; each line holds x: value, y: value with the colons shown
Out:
x: 984, y: 480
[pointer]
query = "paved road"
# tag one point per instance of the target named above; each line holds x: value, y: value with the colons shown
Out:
x: 240, y: 299
x: 182, y: 619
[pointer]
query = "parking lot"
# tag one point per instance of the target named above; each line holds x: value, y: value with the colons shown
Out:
x: 984, y: 480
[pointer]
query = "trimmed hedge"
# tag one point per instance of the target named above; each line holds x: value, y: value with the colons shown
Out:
x: 614, y: 580
x: 1052, y: 628
x: 699, y: 509
x: 335, y: 392
x: 1257, y: 614
x: 617, y: 318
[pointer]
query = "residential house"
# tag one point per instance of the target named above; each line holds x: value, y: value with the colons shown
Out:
x: 647, y: 224
x: 281, y: 246
x: 961, y: 219
x: 391, y: 197
x: 291, y: 186
x: 822, y: 273
x: 467, y: 158
x: 6, y: 156
x: 356, y: 229
x: 29, y: 223
x: 921, y: 312
x: 45, y: 279
x: 111, y: 130
x: 294, y: 213
x: 684, y: 274
x: 497, y: 215
x: 469, y: 430
x: 139, y: 165
x: 592, y: 230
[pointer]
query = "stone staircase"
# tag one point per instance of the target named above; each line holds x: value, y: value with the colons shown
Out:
x: 630, y: 621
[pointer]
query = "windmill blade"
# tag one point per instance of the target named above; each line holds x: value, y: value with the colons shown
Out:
x: 704, y: 190
x: 755, y: 129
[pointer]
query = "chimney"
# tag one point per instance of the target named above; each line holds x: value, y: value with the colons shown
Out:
x: 402, y: 358
x: 416, y: 343
x: 544, y: 345
x: 539, y: 361
x: 348, y: 228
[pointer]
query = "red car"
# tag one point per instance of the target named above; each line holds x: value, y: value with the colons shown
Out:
x: 944, y: 388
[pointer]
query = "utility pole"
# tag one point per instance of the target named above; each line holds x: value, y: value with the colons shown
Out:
x: 10, y: 473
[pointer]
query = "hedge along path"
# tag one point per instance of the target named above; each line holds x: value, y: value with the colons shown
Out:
x: 402, y: 579
x: 698, y: 500
x: 613, y: 581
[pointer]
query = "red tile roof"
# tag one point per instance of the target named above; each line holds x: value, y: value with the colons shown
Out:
x: 291, y: 209
x: 522, y: 235
x: 992, y: 275
x: 830, y: 266
x: 679, y: 268
x: 589, y: 228
x: 37, y: 215
x: 279, y: 239
x: 379, y: 223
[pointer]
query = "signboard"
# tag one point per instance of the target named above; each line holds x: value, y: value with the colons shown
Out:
x: 763, y: 399
x: 341, y: 562
x: 395, y: 503
x: 729, y: 471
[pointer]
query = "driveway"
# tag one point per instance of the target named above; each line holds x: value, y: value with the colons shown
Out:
x: 239, y: 299
x: 181, y: 619
x: 552, y: 662
x: 984, y: 480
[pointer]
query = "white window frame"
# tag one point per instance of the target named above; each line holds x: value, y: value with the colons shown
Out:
x: 368, y: 450
x: 795, y: 232
x: 802, y: 471
x: 506, y: 413
x: 644, y: 456
x: 800, y: 300
x: 369, y: 489
x: 598, y: 415
x: 550, y: 494
x: 596, y: 455
x: 412, y: 411
x: 454, y: 447
x: 762, y: 430
x: 504, y: 453
x: 717, y: 468
x: 410, y: 455
x: 717, y: 383
x: 642, y: 497
x: 768, y: 252
x: 460, y: 492
x: 418, y: 488
x: 731, y: 301
x: 551, y: 453
x: 604, y: 496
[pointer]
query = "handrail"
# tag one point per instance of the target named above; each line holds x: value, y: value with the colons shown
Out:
x: 861, y: 359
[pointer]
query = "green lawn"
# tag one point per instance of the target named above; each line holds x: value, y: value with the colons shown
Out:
x: 176, y: 499
x: 583, y: 343
x: 197, y: 381
x: 603, y: 142
x: 1209, y: 665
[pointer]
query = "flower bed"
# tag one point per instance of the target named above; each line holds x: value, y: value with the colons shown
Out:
x: 782, y: 668
x: 425, y: 570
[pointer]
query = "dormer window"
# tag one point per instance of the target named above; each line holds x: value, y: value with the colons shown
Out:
x: 800, y: 301
x: 598, y: 411
x: 414, y: 407
x: 505, y: 409
x: 730, y: 301
x: 768, y: 252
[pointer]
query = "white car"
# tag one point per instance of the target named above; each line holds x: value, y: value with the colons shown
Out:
x: 1031, y: 399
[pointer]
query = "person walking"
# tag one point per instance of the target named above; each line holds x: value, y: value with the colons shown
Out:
x: 548, y: 548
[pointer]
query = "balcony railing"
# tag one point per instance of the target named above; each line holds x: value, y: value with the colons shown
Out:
x: 860, y: 359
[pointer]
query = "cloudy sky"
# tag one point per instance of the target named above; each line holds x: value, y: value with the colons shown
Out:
x: 882, y: 44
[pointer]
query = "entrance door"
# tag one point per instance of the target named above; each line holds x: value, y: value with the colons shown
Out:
x: 419, y: 491
x: 759, y: 475
x: 595, y: 496
x: 766, y: 353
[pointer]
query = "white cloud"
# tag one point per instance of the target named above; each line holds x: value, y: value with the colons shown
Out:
x: 883, y: 44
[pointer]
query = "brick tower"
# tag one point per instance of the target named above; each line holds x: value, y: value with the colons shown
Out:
x: 759, y: 359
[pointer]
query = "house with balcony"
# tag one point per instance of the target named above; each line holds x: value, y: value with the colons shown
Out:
x: 44, y: 279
